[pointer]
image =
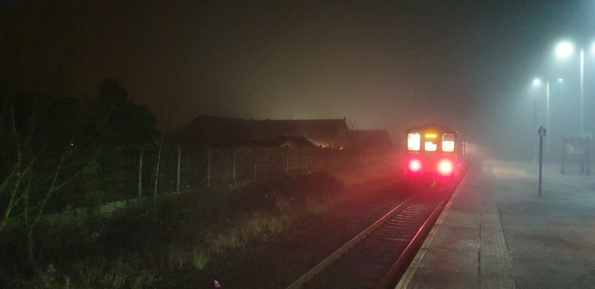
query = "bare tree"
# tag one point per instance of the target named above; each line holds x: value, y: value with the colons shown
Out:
x: 49, y: 146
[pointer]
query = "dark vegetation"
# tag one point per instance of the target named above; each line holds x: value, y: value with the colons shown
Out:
x: 55, y: 154
x: 51, y: 155
x: 135, y: 246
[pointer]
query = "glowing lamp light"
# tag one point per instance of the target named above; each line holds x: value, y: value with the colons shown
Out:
x: 564, y: 49
x: 536, y: 81
x: 445, y: 167
x: 415, y: 165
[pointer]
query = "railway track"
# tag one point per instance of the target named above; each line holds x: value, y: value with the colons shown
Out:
x: 377, y: 256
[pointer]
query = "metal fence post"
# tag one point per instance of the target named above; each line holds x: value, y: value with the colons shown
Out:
x: 179, y: 169
x: 272, y: 162
x: 329, y: 157
x: 157, y: 175
x: 253, y: 163
x: 299, y: 161
x: 140, y: 174
x: 311, y: 160
x: 235, y: 159
x: 208, y: 166
x: 286, y: 160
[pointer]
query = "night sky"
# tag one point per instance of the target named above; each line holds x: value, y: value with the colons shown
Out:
x: 381, y: 64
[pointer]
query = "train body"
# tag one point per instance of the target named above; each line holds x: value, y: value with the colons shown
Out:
x: 435, y: 153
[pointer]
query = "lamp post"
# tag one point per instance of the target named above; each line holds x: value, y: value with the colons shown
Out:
x: 537, y: 82
x: 582, y: 57
x: 563, y: 50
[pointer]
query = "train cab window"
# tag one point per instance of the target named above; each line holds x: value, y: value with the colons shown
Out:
x: 413, y: 141
x: 430, y: 144
x: 448, y: 142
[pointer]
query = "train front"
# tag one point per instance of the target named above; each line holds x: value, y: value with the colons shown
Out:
x: 432, y: 156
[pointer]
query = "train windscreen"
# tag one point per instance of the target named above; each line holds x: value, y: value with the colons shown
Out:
x: 413, y: 141
x: 448, y: 142
x: 430, y: 145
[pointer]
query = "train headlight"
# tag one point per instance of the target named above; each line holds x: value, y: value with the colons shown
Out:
x: 445, y: 167
x: 414, y: 165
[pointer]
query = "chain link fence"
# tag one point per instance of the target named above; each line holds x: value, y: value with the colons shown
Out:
x: 173, y: 169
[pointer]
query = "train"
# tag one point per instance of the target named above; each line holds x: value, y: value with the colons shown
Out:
x: 436, y: 154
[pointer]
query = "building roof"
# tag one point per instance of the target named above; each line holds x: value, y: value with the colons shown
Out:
x: 291, y: 141
x: 366, y: 139
x: 215, y: 130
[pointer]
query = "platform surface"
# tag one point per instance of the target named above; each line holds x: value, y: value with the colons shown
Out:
x: 498, y: 232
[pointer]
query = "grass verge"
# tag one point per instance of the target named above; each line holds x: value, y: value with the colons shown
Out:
x: 182, y: 232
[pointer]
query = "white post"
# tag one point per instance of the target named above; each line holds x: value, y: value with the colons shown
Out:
x: 582, y: 89
x: 548, y: 114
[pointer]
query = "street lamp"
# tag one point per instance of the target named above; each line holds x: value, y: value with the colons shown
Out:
x: 537, y: 82
x: 565, y: 49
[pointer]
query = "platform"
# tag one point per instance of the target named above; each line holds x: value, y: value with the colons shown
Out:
x: 497, y: 232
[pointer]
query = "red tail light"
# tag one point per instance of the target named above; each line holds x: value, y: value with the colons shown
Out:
x: 445, y: 167
x: 414, y: 165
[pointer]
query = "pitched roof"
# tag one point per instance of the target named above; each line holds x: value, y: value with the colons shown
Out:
x: 292, y: 141
x: 370, y: 139
x: 217, y: 130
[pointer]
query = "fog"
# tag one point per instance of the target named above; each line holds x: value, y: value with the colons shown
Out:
x: 382, y: 65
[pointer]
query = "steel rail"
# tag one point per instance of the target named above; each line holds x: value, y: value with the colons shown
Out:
x: 330, y: 259
x: 391, y: 278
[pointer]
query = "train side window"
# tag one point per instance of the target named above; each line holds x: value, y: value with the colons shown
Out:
x: 413, y: 141
x: 448, y: 142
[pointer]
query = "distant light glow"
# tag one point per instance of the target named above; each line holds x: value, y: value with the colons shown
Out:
x: 536, y: 81
x: 564, y: 49
x: 430, y: 135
